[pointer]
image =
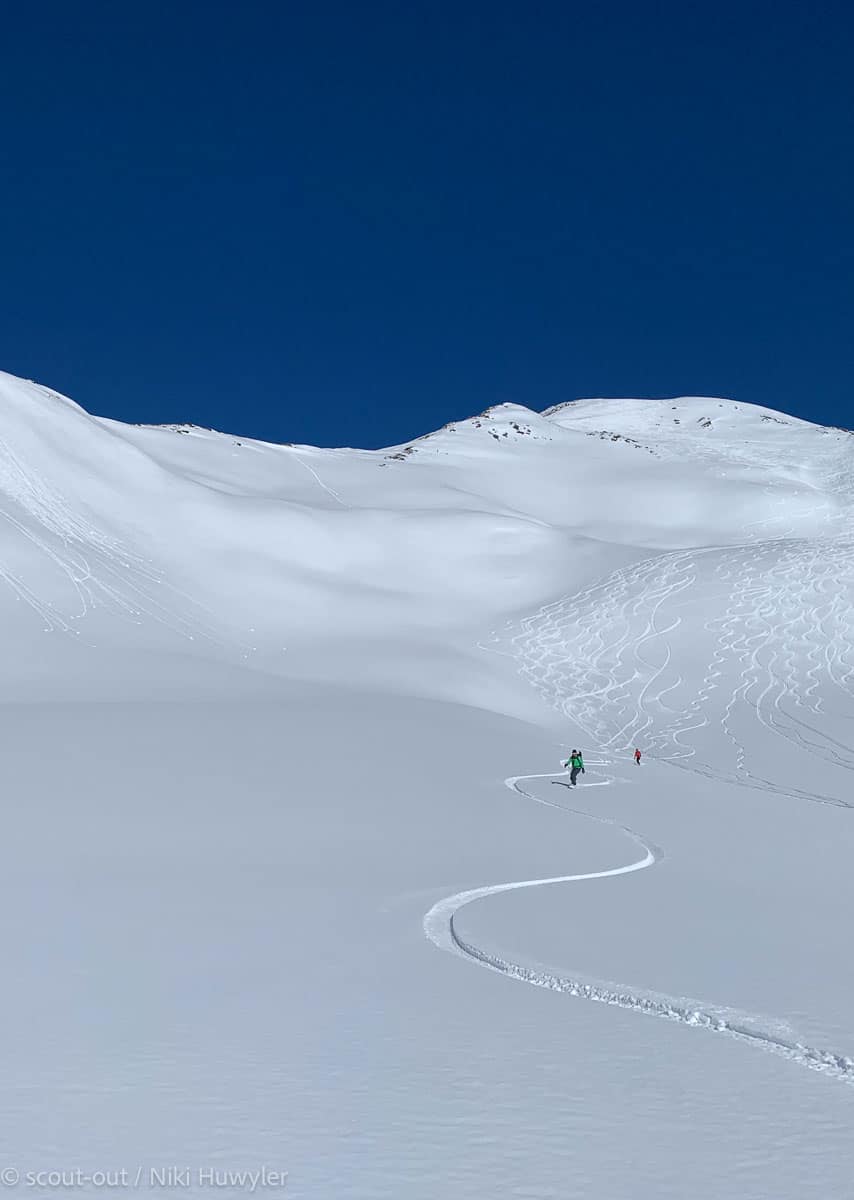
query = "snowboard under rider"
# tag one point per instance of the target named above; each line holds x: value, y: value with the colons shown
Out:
x: 575, y: 762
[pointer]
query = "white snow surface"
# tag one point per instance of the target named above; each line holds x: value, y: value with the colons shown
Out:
x: 268, y: 903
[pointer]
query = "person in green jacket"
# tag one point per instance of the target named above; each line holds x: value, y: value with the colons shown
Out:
x: 575, y: 762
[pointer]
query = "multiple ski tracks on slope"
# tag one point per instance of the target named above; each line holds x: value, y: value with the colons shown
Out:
x: 98, y: 571
x: 778, y: 651
x: 441, y: 928
x: 775, y: 663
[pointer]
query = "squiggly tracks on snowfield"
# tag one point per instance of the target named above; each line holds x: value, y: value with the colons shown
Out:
x: 97, y: 568
x: 770, y: 625
x: 440, y: 929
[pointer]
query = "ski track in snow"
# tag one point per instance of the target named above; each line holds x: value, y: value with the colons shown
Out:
x: 439, y: 926
x: 325, y: 486
x: 100, y: 570
x: 782, y: 645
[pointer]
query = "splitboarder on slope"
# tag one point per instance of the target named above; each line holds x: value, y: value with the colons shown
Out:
x: 576, y: 763
x: 637, y: 756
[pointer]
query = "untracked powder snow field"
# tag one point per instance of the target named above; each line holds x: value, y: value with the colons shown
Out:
x: 297, y: 896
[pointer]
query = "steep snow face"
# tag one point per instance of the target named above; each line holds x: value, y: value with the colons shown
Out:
x: 143, y: 539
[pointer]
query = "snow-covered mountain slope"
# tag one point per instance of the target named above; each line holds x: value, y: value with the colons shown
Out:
x: 260, y: 554
x: 260, y: 706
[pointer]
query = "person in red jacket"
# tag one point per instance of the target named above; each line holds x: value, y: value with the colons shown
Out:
x: 637, y: 756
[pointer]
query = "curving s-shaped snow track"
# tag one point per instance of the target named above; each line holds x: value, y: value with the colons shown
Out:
x: 440, y: 929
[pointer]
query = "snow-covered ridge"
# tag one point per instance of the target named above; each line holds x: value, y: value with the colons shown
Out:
x: 293, y: 546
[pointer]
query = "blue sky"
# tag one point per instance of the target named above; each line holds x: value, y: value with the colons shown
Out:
x: 342, y: 223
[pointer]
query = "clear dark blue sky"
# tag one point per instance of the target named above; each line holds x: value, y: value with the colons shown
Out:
x: 350, y: 222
